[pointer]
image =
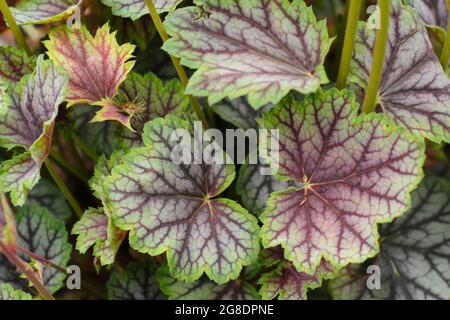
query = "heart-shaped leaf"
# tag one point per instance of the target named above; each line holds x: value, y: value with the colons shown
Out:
x: 14, y: 64
x: 135, y: 9
x: 414, y: 91
x: 137, y: 282
x: 415, y: 251
x: 96, y: 65
x: 173, y: 208
x: 43, y: 235
x: 44, y: 11
x: 262, y: 49
x: 7, y: 292
x: 205, y: 289
x: 355, y: 172
x: 28, y: 123
x: 433, y: 12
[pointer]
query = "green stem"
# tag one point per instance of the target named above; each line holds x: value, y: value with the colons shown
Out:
x: 350, y: 35
x: 64, y: 189
x: 18, y: 35
x: 445, y: 55
x: 84, y: 147
x: 25, y: 269
x: 66, y: 165
x: 176, y: 62
x: 382, y: 36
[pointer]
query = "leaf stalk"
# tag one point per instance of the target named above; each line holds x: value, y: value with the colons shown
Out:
x: 379, y: 53
x: 18, y: 35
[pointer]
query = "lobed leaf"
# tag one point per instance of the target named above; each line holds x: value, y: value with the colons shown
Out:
x: 27, y: 122
x: 137, y: 282
x: 43, y: 235
x: 258, y: 48
x: 354, y: 173
x: 415, y: 252
x: 205, y: 289
x: 44, y: 11
x: 173, y: 208
x: 96, y: 65
x: 135, y: 9
x: 414, y: 90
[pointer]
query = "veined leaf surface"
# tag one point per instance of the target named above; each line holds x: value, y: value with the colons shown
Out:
x: 44, y: 11
x: 135, y: 9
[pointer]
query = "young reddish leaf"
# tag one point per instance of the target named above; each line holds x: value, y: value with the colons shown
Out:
x: 14, y: 64
x: 43, y: 235
x: 173, y: 208
x: 96, y: 65
x: 260, y: 48
x: 433, y: 12
x: 28, y: 123
x: 415, y: 250
x: 355, y: 172
x: 44, y: 11
x: 205, y: 289
x: 137, y: 282
x: 414, y: 91
x: 7, y: 292
x: 286, y: 283
x: 135, y: 9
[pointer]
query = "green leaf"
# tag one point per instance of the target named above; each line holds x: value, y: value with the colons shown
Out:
x: 414, y: 90
x: 14, y: 64
x: 96, y: 65
x: 28, y: 123
x: 415, y: 250
x: 205, y: 289
x: 135, y: 9
x: 286, y: 283
x: 44, y: 11
x: 137, y: 282
x: 354, y: 173
x: 7, y: 292
x: 262, y: 49
x: 47, y: 195
x: 43, y: 235
x: 141, y: 32
x: 173, y: 208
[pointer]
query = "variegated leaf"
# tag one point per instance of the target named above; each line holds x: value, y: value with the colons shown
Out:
x: 44, y: 11
x: 28, y: 123
x: 414, y: 91
x: 258, y: 48
x: 354, y: 172
x: 14, y: 64
x: 415, y: 253
x: 135, y: 9
x: 173, y: 208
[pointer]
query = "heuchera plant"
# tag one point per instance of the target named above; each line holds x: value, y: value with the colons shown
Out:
x: 349, y: 197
